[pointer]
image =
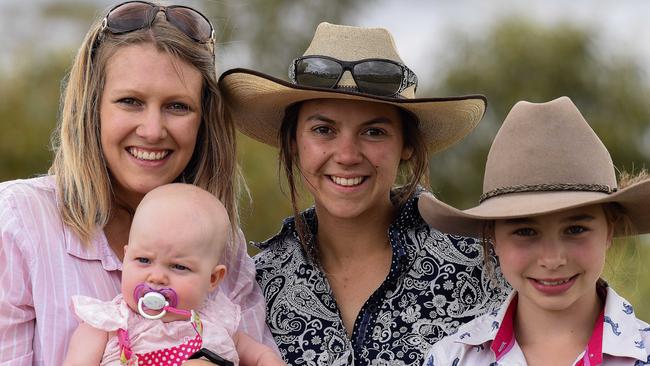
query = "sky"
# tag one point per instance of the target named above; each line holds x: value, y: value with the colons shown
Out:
x: 622, y: 25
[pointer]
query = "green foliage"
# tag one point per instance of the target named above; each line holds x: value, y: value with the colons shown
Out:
x: 29, y: 105
x: 263, y: 211
x: 625, y: 271
x: 276, y: 30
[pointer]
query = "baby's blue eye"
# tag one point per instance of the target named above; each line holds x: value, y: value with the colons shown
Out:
x: 143, y: 260
x: 180, y: 267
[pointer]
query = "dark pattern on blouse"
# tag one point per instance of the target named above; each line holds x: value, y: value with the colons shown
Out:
x: 436, y: 283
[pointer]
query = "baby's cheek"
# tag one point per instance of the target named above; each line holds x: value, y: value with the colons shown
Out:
x: 195, y: 293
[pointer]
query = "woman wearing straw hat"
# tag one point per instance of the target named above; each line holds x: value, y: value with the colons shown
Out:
x: 359, y: 278
x: 551, y: 206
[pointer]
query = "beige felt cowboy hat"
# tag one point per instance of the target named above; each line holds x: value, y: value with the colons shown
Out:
x: 544, y: 159
x: 258, y: 101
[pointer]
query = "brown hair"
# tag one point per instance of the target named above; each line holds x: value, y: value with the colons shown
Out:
x: 615, y: 213
x: 412, y: 172
x: 83, y: 180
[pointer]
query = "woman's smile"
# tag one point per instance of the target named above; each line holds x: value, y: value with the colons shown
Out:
x: 347, y: 182
x: 148, y: 154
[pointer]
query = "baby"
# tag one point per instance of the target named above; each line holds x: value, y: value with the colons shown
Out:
x: 168, y: 309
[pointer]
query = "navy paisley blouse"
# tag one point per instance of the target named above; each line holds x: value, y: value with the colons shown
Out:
x: 436, y: 283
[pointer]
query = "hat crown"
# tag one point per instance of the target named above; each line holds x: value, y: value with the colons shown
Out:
x: 547, y: 144
x: 348, y: 43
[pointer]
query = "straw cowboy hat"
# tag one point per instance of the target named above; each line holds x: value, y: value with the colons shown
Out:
x: 544, y: 159
x: 258, y: 101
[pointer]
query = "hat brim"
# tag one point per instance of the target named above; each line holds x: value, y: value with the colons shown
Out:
x: 635, y: 199
x: 258, y: 102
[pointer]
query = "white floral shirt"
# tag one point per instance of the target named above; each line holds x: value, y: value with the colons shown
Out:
x: 619, y: 339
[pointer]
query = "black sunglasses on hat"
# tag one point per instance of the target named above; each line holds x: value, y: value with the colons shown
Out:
x: 134, y: 15
x: 376, y: 76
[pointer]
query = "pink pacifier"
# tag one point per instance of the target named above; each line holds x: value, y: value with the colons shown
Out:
x: 164, y: 299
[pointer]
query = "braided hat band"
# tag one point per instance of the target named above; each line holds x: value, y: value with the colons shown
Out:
x: 558, y: 187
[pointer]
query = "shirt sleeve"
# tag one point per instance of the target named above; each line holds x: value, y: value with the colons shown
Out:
x: 17, y: 319
x: 104, y: 315
x: 242, y: 289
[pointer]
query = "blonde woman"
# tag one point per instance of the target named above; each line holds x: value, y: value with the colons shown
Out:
x: 141, y: 109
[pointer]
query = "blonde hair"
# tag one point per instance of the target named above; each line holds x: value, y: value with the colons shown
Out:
x: 82, y: 177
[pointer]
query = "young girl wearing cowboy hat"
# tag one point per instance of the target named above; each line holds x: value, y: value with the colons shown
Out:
x: 551, y: 207
x: 359, y: 278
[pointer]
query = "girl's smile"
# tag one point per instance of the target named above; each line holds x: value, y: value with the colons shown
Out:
x: 555, y: 286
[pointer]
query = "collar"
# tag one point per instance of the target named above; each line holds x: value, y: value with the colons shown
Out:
x: 504, y: 339
x: 97, y: 250
x: 622, y: 333
x: 484, y: 329
x: 615, y: 333
x: 407, y: 217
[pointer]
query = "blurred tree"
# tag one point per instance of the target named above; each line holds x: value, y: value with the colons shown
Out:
x: 28, y: 105
x: 29, y: 96
x: 626, y: 271
x: 274, y: 31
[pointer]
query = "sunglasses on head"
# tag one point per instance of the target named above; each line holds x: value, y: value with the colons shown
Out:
x: 375, y: 76
x: 134, y: 15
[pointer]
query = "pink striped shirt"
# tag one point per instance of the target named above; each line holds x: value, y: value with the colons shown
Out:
x: 43, y: 263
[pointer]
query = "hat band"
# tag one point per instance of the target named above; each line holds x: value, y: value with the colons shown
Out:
x: 559, y: 187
